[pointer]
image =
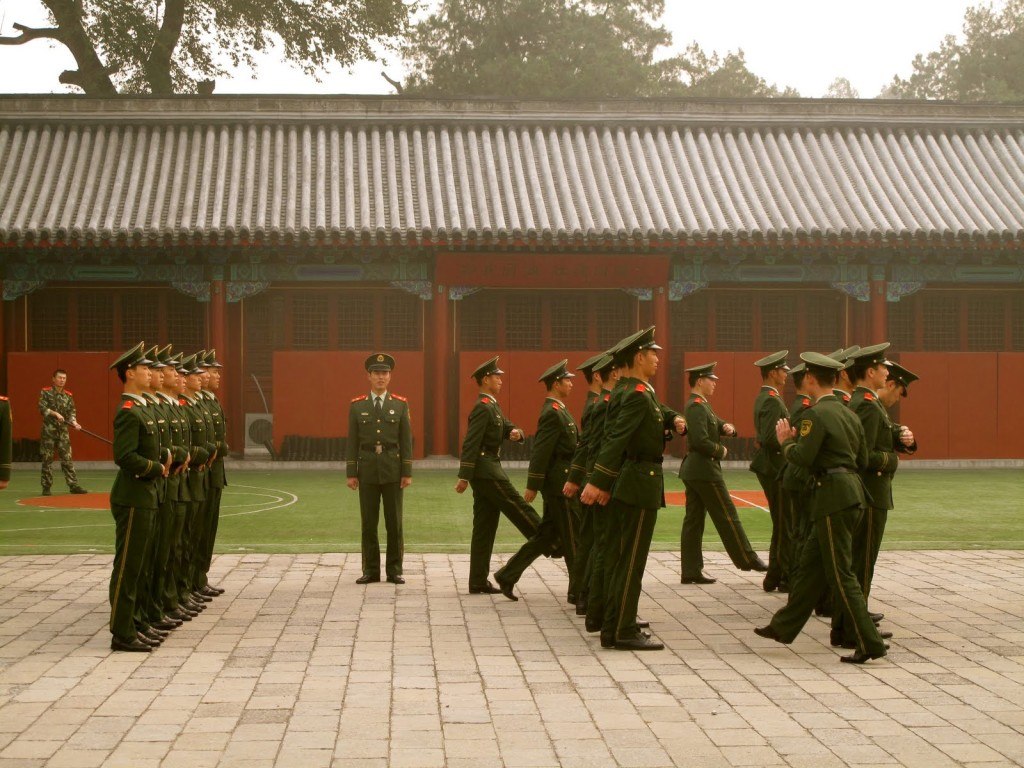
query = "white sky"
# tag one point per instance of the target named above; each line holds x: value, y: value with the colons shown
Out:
x: 802, y: 43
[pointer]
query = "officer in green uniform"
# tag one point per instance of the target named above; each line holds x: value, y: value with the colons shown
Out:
x: 480, y: 469
x: 554, y: 445
x: 378, y: 463
x: 831, y: 446
x: 628, y: 473
x: 204, y: 541
x: 57, y: 406
x: 6, y: 441
x: 870, y: 373
x: 701, y: 473
x: 202, y: 451
x: 768, y: 462
x: 217, y: 476
x: 133, y: 499
x: 796, y: 481
x: 844, y: 384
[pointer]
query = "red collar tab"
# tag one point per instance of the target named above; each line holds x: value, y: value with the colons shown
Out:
x: 697, y: 400
x: 641, y: 388
x: 127, y: 405
x: 399, y: 397
x: 868, y: 396
x: 556, y: 406
x: 607, y: 397
x: 360, y: 398
x: 773, y: 393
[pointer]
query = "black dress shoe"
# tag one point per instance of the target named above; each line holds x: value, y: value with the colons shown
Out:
x: 759, y: 565
x: 770, y: 633
x: 699, y: 579
x: 199, y: 597
x: 46, y: 492
x: 367, y: 579
x: 592, y: 625
x: 507, y: 590
x: 783, y: 587
x: 210, y: 592
x: 132, y: 646
x: 484, y: 589
x: 167, y: 623
x: 639, y: 643
x: 581, y: 608
x: 179, y: 615
x: 862, y: 656
x: 571, y: 598
x: 217, y: 591
x: 78, y: 489
x: 876, y: 617
x: 193, y: 606
x: 607, y: 640
x: 643, y: 624
x: 770, y: 583
x: 155, y: 634
x: 147, y: 640
x: 886, y: 635
x: 396, y: 580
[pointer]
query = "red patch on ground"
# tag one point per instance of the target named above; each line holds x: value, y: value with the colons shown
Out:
x: 69, y: 501
x: 740, y: 499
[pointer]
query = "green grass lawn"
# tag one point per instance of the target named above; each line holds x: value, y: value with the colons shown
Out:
x: 297, y: 511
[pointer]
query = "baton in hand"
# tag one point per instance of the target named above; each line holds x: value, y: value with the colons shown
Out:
x: 98, y: 437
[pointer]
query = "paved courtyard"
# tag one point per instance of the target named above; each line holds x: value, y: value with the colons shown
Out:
x: 297, y: 666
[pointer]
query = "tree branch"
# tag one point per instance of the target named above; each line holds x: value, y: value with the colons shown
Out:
x: 28, y: 34
x: 158, y: 65
x: 396, y: 84
x: 91, y: 76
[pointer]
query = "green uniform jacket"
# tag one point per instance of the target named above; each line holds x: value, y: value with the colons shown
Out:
x: 6, y: 443
x: 481, y: 448
x: 163, y: 430
x: 842, y: 396
x: 61, y: 402
x: 200, y: 449
x: 179, y: 443
x: 137, y: 454
x: 393, y: 432
x: 186, y: 436
x: 796, y: 478
x: 578, y: 466
x: 703, y: 440
x: 833, y: 449
x: 218, y: 479
x: 629, y: 463
x: 768, y: 409
x: 553, y: 448
x: 882, y: 436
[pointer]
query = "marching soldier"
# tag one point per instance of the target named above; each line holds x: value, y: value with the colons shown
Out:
x: 480, y: 469
x: 701, y: 473
x: 628, y: 473
x: 833, y: 449
x: 796, y: 481
x: 218, y: 477
x: 553, y: 448
x: 133, y: 498
x: 57, y: 405
x: 378, y: 463
x: 6, y: 442
x: 768, y: 462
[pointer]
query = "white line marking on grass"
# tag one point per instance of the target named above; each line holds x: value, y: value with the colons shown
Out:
x: 748, y: 502
x: 288, y: 503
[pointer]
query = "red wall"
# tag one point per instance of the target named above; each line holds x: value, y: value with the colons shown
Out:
x: 312, y: 392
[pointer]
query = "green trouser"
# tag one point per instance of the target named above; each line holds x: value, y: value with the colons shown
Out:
x: 132, y: 529
x: 597, y: 587
x: 491, y: 499
x: 197, y: 574
x: 866, y: 543
x: 613, y: 515
x: 169, y: 595
x: 189, y: 538
x: 552, y: 525
x: 827, y: 557
x: 210, y: 524
x: 160, y: 564
x: 635, y: 530
x: 779, y: 549
x: 579, y: 578
x: 712, y: 497
x: 797, y: 509
x: 371, y: 496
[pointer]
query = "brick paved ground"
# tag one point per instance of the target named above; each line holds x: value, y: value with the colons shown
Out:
x: 297, y: 666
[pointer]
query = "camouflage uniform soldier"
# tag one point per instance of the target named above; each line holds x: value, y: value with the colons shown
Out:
x: 6, y: 444
x: 57, y: 406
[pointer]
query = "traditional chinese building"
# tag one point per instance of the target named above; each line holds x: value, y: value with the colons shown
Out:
x: 298, y: 234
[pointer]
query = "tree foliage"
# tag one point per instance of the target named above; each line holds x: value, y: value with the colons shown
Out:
x: 563, y: 49
x: 987, y: 65
x: 167, y: 46
x: 841, y: 88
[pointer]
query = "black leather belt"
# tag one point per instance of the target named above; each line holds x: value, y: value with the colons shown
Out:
x: 840, y: 471
x: 650, y: 459
x: 377, y: 447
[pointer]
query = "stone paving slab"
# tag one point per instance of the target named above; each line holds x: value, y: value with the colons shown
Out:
x: 296, y: 665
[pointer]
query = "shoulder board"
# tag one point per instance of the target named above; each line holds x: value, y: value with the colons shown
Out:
x: 868, y: 396
x: 69, y: 393
x: 485, y: 400
x: 806, y: 401
x: 399, y: 397
x: 182, y: 401
x: 555, y: 406
x: 846, y: 398
x: 641, y: 388
x: 127, y: 405
x: 360, y: 398
x: 607, y: 397
x: 773, y: 393
x: 47, y: 389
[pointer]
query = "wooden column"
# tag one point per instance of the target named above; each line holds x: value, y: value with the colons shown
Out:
x: 663, y: 335
x: 879, y: 320
x: 440, y: 328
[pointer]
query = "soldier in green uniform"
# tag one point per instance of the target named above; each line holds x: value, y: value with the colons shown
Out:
x: 217, y: 477
x: 480, y: 469
x: 796, y: 481
x: 628, y: 474
x: 57, y: 406
x: 701, y: 473
x: 378, y: 463
x: 831, y: 446
x: 554, y: 445
x: 6, y: 441
x: 768, y: 462
x: 133, y: 497
x: 870, y: 374
x: 844, y: 384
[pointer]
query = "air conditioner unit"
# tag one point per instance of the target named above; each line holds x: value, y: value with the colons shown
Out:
x: 259, y: 435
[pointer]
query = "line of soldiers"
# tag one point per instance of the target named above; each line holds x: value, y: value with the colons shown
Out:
x: 169, y: 447
x: 827, y: 481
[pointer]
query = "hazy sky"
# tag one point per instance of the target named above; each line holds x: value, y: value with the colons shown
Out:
x: 801, y: 43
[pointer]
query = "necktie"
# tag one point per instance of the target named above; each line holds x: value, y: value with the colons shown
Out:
x: 377, y: 408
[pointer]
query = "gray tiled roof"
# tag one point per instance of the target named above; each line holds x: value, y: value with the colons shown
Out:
x: 451, y: 178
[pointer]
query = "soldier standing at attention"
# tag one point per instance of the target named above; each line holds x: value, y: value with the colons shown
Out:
x: 218, y: 478
x: 833, y: 449
x: 6, y: 441
x: 57, y: 405
x: 480, y: 469
x: 553, y: 447
x: 628, y: 472
x: 701, y: 473
x: 133, y: 499
x: 767, y: 464
x: 378, y: 464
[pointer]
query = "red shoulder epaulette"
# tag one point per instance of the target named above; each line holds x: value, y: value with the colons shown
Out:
x: 3, y: 397
x: 485, y: 399
x: 127, y: 405
x: 846, y: 398
x: 697, y: 400
x: 641, y: 388
x: 47, y: 389
x: 555, y: 406
x: 361, y: 397
x: 773, y: 393
x: 607, y: 397
x: 69, y: 393
x: 806, y: 401
x: 868, y: 396
x: 399, y: 397
x: 182, y: 401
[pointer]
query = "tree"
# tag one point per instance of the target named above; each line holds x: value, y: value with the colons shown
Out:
x: 987, y: 65
x: 560, y: 49
x: 841, y: 88
x: 169, y: 46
